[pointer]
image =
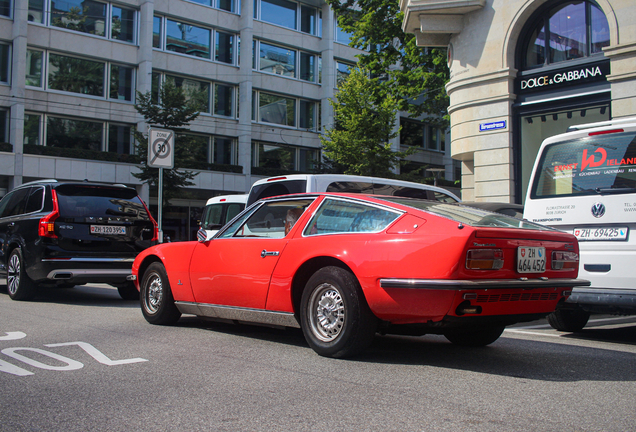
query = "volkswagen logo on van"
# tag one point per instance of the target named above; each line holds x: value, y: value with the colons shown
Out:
x: 598, y: 210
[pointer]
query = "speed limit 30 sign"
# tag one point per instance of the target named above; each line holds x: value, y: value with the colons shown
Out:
x: 160, y: 148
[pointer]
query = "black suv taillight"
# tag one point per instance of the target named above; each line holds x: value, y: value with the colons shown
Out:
x: 46, y: 228
x: 155, y: 226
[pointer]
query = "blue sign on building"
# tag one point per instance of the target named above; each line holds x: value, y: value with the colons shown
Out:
x: 492, y: 126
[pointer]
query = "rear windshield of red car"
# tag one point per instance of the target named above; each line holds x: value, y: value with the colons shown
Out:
x: 92, y: 201
x: 467, y: 215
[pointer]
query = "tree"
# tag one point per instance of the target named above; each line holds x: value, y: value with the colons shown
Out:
x: 415, y: 76
x: 364, y: 120
x: 172, y: 111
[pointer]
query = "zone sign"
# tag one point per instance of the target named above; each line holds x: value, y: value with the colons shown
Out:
x: 160, y: 148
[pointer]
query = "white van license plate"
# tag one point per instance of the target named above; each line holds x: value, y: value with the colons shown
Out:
x: 601, y: 233
x: 105, y: 229
x: 530, y: 259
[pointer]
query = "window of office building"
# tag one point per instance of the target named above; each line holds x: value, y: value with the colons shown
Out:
x: 5, y: 7
x: 188, y: 39
x: 224, y: 47
x: 123, y: 24
x: 32, y: 129
x: 120, y: 139
x: 415, y: 133
x: 283, y: 61
x: 34, y: 68
x: 342, y: 36
x: 290, y: 14
x: 74, y: 133
x: 121, y: 82
x: 194, y: 90
x: 202, y: 92
x: 210, y: 148
x: 276, y: 109
x: 277, y: 60
x: 277, y: 157
x: 567, y: 31
x: 5, y: 53
x: 223, y: 100
x: 194, y: 41
x: 226, y: 5
x: 77, y: 75
x: 3, y: 126
x: 343, y: 70
x: 307, y: 115
x: 86, y: 16
x: 224, y: 151
x: 72, y: 74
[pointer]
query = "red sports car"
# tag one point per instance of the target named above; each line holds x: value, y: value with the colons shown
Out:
x: 345, y: 266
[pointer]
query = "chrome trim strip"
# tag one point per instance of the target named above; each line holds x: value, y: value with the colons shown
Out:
x: 446, y: 284
x: 109, y: 260
x: 79, y: 273
x: 285, y: 319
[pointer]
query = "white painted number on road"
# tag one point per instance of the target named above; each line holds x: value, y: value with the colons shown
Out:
x: 65, y: 363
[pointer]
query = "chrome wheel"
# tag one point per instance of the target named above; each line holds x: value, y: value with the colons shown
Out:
x: 13, y: 274
x: 326, y: 312
x: 155, y: 297
x: 154, y: 293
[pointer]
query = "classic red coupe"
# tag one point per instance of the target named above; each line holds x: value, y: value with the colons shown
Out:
x: 344, y: 266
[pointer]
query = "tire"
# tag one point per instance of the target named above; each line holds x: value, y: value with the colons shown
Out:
x: 157, y: 303
x: 128, y: 291
x: 19, y: 284
x: 334, y: 315
x: 568, y: 320
x: 474, y: 337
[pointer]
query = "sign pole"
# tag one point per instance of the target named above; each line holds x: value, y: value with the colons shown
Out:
x: 160, y: 155
x: 160, y: 200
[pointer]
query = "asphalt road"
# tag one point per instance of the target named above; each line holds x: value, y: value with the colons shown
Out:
x: 84, y: 360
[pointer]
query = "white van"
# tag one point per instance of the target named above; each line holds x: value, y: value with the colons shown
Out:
x: 300, y: 183
x: 221, y: 209
x: 584, y: 182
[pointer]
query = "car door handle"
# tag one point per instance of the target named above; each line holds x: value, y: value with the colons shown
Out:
x: 265, y: 253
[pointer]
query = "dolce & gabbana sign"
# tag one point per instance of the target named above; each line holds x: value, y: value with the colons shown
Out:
x: 563, y: 77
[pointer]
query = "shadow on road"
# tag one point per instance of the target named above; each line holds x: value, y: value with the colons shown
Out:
x: 81, y: 295
x: 519, y: 358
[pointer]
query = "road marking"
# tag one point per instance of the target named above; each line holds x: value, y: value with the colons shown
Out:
x: 594, y: 321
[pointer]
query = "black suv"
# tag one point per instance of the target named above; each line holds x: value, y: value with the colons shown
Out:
x: 70, y: 233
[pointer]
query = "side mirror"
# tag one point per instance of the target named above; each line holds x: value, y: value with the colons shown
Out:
x: 202, y: 236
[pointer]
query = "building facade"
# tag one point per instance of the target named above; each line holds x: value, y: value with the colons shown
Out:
x: 523, y: 70
x: 264, y: 71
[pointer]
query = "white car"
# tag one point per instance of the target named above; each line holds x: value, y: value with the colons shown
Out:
x: 301, y: 183
x: 584, y: 182
x: 221, y: 209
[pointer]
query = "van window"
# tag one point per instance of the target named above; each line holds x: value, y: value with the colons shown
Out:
x: 601, y: 164
x: 267, y: 190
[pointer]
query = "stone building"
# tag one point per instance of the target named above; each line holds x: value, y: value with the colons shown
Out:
x: 70, y: 70
x: 523, y: 70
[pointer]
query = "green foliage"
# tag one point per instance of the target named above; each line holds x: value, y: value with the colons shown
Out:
x: 418, y: 83
x: 364, y: 120
x: 174, y: 112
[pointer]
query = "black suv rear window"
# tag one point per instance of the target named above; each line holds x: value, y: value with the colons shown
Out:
x: 84, y: 201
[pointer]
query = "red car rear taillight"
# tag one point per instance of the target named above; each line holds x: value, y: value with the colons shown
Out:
x: 46, y: 228
x: 484, y: 259
x: 562, y: 260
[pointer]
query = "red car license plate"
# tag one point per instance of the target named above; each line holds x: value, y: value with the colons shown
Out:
x: 530, y: 259
x: 105, y: 229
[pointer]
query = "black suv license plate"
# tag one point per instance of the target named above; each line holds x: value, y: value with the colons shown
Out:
x: 106, y: 229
